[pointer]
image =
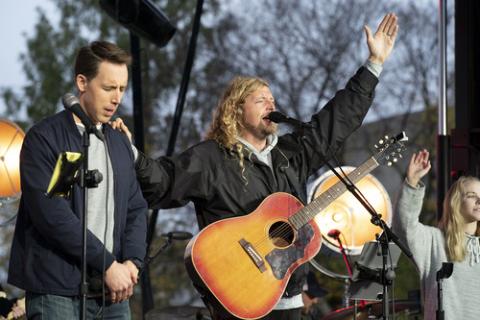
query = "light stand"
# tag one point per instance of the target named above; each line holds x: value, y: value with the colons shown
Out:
x: 387, y: 275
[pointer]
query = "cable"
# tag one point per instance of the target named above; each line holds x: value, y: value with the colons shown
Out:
x: 106, y: 226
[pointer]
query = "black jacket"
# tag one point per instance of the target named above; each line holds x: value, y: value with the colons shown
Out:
x: 46, y: 248
x: 211, y: 177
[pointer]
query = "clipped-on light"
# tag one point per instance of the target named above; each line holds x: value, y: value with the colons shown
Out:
x: 11, y: 139
x: 347, y: 215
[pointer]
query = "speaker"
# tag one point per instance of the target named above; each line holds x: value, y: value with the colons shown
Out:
x: 141, y: 17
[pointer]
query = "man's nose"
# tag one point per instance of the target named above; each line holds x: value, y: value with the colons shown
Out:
x: 117, y: 96
x: 271, y: 105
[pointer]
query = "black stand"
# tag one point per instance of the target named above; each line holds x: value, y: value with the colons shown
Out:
x: 170, y: 236
x: 87, y: 179
x: 444, y: 273
x: 387, y: 235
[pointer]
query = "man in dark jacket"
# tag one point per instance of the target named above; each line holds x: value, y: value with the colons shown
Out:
x: 243, y: 160
x: 46, y: 251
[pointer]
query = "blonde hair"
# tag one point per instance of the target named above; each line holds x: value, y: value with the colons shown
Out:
x: 452, y: 222
x: 227, y: 120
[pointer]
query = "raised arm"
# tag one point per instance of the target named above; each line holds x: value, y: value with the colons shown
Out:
x: 418, y: 167
x: 381, y: 43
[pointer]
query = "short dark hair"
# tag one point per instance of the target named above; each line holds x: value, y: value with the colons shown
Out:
x: 89, y: 57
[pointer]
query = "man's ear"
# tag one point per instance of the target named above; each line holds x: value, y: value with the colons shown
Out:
x: 81, y: 81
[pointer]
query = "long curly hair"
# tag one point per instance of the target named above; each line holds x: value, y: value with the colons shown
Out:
x: 452, y: 221
x: 227, y: 120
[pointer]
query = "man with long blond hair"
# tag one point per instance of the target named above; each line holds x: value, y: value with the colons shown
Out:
x: 243, y: 161
x: 455, y: 240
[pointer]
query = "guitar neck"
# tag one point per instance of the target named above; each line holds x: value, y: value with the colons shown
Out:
x: 307, y: 213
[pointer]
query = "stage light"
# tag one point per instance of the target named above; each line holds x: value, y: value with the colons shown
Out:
x: 348, y: 216
x: 11, y: 139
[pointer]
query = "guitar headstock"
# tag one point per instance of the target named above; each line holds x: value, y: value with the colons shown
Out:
x: 390, y: 148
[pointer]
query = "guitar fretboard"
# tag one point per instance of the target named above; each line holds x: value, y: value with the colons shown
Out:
x: 309, y: 212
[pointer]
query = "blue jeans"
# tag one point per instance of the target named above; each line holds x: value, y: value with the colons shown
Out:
x: 52, y: 307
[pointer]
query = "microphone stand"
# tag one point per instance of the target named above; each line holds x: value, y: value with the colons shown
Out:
x: 87, y: 179
x: 387, y: 275
x: 444, y: 273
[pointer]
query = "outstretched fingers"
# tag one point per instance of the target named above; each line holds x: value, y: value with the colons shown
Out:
x: 383, y: 24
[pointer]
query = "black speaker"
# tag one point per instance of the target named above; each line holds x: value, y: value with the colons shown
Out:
x: 141, y: 17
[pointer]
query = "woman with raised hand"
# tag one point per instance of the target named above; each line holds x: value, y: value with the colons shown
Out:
x: 456, y: 239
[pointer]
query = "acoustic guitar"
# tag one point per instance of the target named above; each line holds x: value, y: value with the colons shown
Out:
x: 243, y: 264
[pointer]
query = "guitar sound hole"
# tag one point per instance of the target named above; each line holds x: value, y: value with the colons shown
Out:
x: 281, y: 233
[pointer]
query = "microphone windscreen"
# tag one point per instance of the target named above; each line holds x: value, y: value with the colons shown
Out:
x: 178, y: 235
x: 69, y: 100
x: 276, y: 116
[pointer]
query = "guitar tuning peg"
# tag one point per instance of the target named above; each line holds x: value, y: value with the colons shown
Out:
x: 389, y: 163
x: 395, y: 160
x: 380, y: 141
x: 376, y: 146
x: 386, y: 137
x: 400, y: 156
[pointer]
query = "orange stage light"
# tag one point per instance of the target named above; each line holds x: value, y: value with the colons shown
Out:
x: 347, y: 215
x: 11, y: 138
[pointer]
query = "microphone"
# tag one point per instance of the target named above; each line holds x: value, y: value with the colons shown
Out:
x: 279, y: 117
x: 71, y: 102
x: 334, y: 233
x: 177, y: 235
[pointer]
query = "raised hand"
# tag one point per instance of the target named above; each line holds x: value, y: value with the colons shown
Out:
x: 381, y: 43
x: 418, y: 167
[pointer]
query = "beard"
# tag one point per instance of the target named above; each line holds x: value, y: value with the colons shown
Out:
x: 270, y: 129
x: 263, y: 131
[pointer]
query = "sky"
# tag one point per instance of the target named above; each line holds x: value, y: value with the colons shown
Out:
x: 16, y: 19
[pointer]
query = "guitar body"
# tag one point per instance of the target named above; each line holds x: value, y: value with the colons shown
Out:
x: 244, y: 263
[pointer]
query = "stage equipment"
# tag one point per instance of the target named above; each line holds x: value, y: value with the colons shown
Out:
x: 141, y: 17
x: 169, y: 236
x: 178, y: 313
x: 65, y: 174
x: 11, y: 140
x: 347, y: 215
x: 444, y: 273
x: 368, y: 277
x: 374, y: 310
x: 376, y: 219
